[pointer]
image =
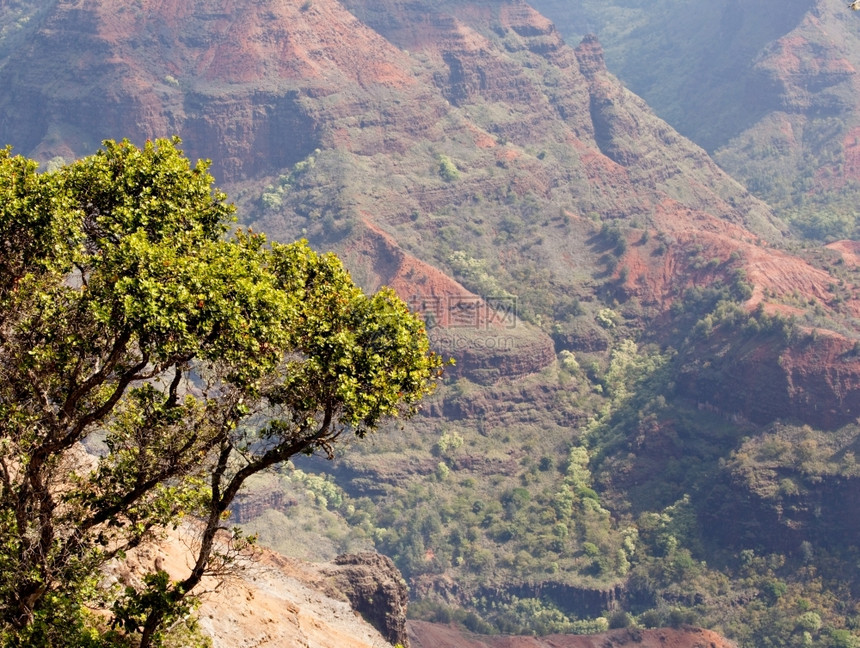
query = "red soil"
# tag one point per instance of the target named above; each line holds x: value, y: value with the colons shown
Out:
x: 429, y: 635
x: 425, y: 288
x: 850, y: 251
x: 246, y: 42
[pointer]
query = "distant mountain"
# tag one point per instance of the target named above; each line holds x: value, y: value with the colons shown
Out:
x: 630, y: 324
x: 770, y: 88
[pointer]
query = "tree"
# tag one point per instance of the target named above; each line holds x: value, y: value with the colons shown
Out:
x: 133, y: 322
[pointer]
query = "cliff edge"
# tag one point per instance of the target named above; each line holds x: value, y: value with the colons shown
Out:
x: 272, y: 601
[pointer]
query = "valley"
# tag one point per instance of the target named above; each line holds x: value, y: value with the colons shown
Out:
x: 653, y: 308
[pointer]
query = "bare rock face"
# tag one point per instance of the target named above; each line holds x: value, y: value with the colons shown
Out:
x: 235, y: 83
x: 488, y: 355
x: 770, y: 88
x: 376, y: 590
x: 743, y: 511
x: 816, y: 380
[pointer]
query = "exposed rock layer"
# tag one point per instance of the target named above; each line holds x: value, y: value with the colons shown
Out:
x: 376, y: 590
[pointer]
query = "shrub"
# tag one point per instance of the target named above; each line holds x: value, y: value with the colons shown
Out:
x: 447, y: 169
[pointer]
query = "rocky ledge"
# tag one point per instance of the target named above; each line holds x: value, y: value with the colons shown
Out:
x: 376, y: 590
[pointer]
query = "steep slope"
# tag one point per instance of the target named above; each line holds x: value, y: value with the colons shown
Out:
x: 354, y: 601
x: 224, y: 77
x: 770, y: 87
x: 691, y: 62
x: 811, y: 124
x: 269, y: 601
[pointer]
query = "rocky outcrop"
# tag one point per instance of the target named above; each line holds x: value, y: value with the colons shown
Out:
x: 787, y: 490
x: 376, y: 590
x: 250, y: 505
x: 510, y: 404
x: 693, y: 64
x: 808, y: 120
x: 487, y: 355
x: 627, y: 132
x: 235, y: 84
x: 260, y: 88
x: 762, y: 378
x: 460, y: 144
x: 824, y: 514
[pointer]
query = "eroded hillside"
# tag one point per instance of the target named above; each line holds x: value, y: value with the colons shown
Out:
x: 627, y: 319
x: 770, y: 87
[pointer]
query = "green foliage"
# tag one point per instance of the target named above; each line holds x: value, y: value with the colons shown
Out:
x: 130, y: 319
x: 533, y: 615
x: 607, y: 318
x: 628, y: 368
x: 621, y: 619
x: 824, y: 225
x: 447, y: 169
x: 513, y: 615
x: 477, y: 275
x: 132, y: 611
x: 448, y: 444
x: 273, y: 196
x: 62, y: 621
x: 568, y: 361
x: 577, y: 526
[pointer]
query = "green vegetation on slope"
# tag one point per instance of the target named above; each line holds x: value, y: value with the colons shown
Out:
x: 577, y: 498
x: 615, y: 504
x: 706, y: 69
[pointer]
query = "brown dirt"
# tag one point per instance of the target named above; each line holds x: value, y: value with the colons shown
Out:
x: 249, y: 63
x: 257, y: 86
x: 720, y: 248
x: 850, y: 251
x: 269, y: 602
x: 274, y: 601
x: 251, y: 42
x: 425, y: 288
x: 429, y: 635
